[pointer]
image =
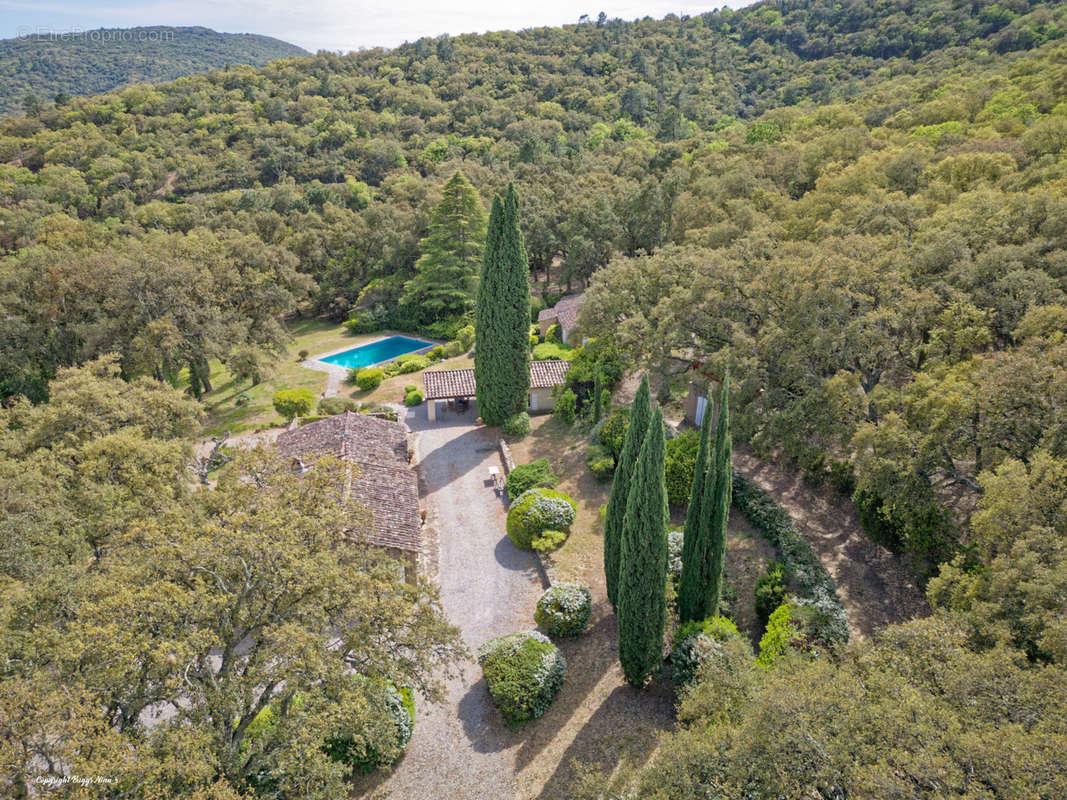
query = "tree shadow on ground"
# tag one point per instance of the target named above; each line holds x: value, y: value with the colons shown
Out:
x: 482, y: 722
x: 454, y: 458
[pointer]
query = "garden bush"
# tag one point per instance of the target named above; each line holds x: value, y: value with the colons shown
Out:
x: 413, y: 398
x: 537, y: 474
x: 523, y: 671
x: 353, y: 749
x: 465, y: 337
x: 771, y: 589
x: 549, y: 351
x: 681, y: 459
x: 534, y: 341
x: 554, y: 333
x: 566, y: 407
x: 385, y: 412
x: 564, y: 609
x: 437, y: 353
x: 303, y: 354
x: 699, y: 642
x: 613, y: 431
x: 291, y: 403
x: 453, y: 349
x: 410, y: 364
x: 517, y: 426
x: 600, y: 462
x: 307, y: 419
x: 536, y: 511
x: 369, y: 378
x: 781, y: 634
x: 337, y: 405
x: 812, y: 582
x: 410, y: 388
x: 547, y: 541
x: 675, y: 541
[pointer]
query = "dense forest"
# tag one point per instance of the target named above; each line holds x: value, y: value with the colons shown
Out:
x: 37, y: 67
x: 857, y: 209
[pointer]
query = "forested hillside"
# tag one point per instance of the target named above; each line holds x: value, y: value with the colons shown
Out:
x: 858, y: 209
x: 37, y: 67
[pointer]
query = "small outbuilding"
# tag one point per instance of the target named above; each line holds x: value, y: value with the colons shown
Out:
x: 565, y: 314
x: 458, y: 385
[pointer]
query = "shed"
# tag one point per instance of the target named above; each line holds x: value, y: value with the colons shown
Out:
x: 458, y: 384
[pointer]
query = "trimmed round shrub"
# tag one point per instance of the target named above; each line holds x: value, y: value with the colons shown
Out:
x: 410, y: 388
x: 523, y: 671
x: 369, y: 378
x: 528, y: 476
x: 291, y: 403
x: 413, y: 364
x: 413, y: 398
x: 303, y: 354
x: 337, y: 405
x: 698, y: 642
x: 537, y: 511
x: 564, y: 609
x: 517, y: 426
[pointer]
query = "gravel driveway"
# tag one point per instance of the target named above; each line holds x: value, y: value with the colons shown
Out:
x: 460, y: 749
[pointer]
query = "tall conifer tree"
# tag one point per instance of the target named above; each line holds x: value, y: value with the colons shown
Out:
x: 446, y: 275
x: 643, y: 561
x: 720, y: 504
x: 640, y: 412
x: 694, y: 543
x: 502, y: 317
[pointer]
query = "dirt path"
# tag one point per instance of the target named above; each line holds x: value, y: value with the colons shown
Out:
x: 875, y: 587
x: 460, y: 749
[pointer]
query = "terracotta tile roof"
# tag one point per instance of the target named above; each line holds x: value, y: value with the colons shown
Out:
x: 545, y: 374
x: 565, y: 311
x: 442, y: 384
x: 384, y: 482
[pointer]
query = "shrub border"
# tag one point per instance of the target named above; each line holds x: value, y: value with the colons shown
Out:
x: 816, y: 586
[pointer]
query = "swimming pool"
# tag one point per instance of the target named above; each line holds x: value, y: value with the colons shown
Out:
x: 376, y: 352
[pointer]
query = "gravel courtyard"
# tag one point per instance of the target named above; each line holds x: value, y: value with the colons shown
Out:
x: 460, y: 749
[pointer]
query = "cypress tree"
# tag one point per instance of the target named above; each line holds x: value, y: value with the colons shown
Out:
x: 502, y: 317
x: 694, y: 542
x: 597, y: 399
x: 640, y: 411
x: 720, y: 503
x: 643, y: 561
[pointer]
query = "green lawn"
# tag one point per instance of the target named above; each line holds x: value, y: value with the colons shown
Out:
x: 235, y: 406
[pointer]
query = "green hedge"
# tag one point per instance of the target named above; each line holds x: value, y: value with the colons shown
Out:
x: 564, y: 609
x: 536, y: 474
x: 814, y: 584
x: 699, y: 642
x: 524, y: 672
x: 329, y: 406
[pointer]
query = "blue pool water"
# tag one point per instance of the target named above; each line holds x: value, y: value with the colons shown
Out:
x: 376, y: 352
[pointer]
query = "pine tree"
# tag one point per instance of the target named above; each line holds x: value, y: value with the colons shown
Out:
x: 640, y: 411
x: 694, y: 542
x: 446, y: 274
x: 643, y: 561
x: 720, y: 502
x: 502, y: 317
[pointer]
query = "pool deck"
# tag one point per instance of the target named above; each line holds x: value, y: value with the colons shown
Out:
x: 336, y: 374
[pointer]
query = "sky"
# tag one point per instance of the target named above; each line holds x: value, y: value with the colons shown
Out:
x: 339, y: 25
